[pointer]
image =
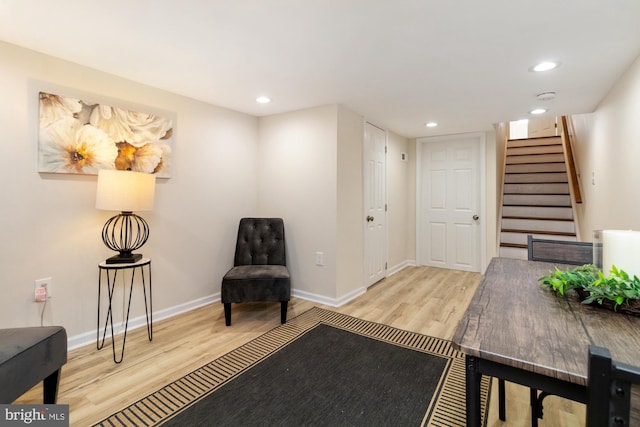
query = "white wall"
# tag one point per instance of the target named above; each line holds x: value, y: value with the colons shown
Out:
x: 502, y: 134
x: 311, y: 174
x: 305, y: 166
x: 350, y: 199
x: 493, y: 174
x: 399, y: 216
x: 410, y: 244
x: 49, y: 224
x: 607, y: 145
x: 297, y: 181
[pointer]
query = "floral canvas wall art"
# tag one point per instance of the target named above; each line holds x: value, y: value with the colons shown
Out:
x: 82, y: 137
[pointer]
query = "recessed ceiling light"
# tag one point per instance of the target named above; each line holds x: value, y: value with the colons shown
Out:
x: 431, y: 124
x: 545, y: 66
x: 263, y: 100
x: 538, y: 111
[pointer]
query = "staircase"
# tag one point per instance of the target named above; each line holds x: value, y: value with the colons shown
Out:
x: 536, y: 198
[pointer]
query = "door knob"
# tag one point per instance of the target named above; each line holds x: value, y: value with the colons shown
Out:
x: 370, y: 218
x: 476, y: 217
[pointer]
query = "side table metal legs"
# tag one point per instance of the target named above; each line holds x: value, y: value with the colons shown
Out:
x: 111, y: 276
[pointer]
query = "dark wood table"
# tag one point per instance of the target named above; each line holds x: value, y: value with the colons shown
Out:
x: 518, y: 331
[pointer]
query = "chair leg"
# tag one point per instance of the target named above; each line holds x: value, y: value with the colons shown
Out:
x: 283, y: 311
x: 50, y: 388
x: 227, y: 313
x: 502, y: 412
x: 533, y: 397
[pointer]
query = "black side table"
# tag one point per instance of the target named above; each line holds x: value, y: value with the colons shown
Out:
x: 111, y: 273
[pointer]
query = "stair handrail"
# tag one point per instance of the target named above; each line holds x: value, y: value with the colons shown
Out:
x: 502, y: 139
x: 571, y: 164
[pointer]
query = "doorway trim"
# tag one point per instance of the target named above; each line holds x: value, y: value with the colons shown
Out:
x: 482, y: 191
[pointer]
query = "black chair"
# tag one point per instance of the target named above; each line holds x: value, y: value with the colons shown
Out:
x: 259, y: 270
x: 609, y: 389
x: 559, y: 251
x: 556, y: 251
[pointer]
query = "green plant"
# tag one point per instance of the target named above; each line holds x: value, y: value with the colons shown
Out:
x: 617, y: 287
x: 561, y: 281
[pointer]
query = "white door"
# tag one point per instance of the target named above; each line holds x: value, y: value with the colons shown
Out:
x: 449, y: 209
x: 375, y: 215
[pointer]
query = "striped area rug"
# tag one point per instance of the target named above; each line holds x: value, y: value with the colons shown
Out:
x: 446, y: 407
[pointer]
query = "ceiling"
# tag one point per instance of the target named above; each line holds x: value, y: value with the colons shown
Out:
x: 399, y: 63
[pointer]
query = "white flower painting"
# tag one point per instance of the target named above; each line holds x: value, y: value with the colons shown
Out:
x: 81, y: 137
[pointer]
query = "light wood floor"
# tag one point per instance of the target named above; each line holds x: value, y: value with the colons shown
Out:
x: 420, y: 299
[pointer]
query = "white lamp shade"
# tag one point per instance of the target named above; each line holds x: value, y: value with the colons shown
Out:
x: 125, y: 191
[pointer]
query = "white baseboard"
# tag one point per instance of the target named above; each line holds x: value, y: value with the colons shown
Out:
x: 332, y: 302
x: 90, y: 337
x: 86, y: 338
x: 396, y: 268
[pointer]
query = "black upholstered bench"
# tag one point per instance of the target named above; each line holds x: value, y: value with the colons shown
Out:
x: 28, y: 356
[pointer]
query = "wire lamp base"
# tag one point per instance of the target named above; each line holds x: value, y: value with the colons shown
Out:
x: 125, y: 233
x: 124, y: 259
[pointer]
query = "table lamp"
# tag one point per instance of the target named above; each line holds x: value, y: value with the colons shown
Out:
x: 125, y: 191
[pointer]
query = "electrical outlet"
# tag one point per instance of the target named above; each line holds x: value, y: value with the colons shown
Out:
x: 42, y: 289
x: 40, y: 294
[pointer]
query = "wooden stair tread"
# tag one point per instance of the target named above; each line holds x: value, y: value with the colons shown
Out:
x: 536, y: 163
x: 535, y: 182
x: 535, y: 194
x: 523, y: 172
x: 551, y: 233
x: 533, y: 218
x: 513, y: 245
x: 536, y: 173
x: 535, y: 138
x: 553, y: 144
x: 538, y: 206
x: 530, y: 154
x: 521, y: 143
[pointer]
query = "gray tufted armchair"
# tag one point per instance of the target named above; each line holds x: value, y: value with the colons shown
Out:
x: 259, y: 270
